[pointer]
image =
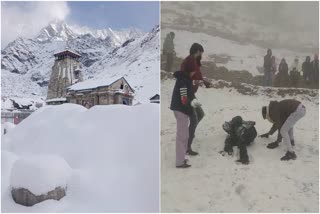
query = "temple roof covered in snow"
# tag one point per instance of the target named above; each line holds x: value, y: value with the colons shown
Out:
x: 96, y: 83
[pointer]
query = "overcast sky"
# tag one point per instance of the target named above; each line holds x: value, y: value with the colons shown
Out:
x: 26, y: 19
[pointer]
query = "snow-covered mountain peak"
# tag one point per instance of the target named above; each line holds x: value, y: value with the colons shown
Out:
x: 56, y: 30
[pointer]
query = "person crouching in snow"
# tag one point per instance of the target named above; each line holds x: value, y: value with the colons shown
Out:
x: 284, y: 115
x: 182, y: 103
x: 240, y: 133
x: 192, y: 64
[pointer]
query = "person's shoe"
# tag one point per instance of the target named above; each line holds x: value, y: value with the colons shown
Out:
x: 185, y: 165
x: 273, y: 145
x: 186, y: 160
x: 192, y: 153
x: 289, y: 156
x: 245, y: 162
x: 292, y: 142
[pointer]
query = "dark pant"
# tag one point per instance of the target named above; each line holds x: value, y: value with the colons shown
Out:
x: 195, y: 118
x: 241, y: 141
x: 169, y: 62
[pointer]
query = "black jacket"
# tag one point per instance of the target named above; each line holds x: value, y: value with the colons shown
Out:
x: 182, y: 90
x: 267, y: 64
x: 306, y: 68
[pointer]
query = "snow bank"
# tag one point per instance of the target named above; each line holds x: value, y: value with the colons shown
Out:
x: 7, y: 161
x: 40, y: 174
x: 6, y: 127
x: 113, y: 152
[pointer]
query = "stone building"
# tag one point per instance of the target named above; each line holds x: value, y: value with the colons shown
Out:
x: 66, y: 71
x: 101, y: 92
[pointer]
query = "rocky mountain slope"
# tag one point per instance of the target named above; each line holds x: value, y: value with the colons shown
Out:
x: 26, y: 62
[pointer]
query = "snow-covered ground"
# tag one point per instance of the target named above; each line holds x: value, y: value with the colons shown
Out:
x: 215, y: 183
x: 113, y: 152
x: 242, y: 56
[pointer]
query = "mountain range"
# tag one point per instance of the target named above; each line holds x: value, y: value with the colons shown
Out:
x: 26, y: 62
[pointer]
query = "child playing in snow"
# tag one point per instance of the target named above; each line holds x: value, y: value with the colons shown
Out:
x: 240, y: 133
x: 283, y: 115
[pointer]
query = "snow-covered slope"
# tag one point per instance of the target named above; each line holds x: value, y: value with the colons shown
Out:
x: 237, y: 56
x: 215, y: 183
x: 289, y: 25
x: 138, y: 61
x: 26, y: 62
x: 233, y: 32
x: 114, y: 164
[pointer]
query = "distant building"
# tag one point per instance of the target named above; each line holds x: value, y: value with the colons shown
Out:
x: 101, y: 92
x: 66, y: 71
x: 155, y: 99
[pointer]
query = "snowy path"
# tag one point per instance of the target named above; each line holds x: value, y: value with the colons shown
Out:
x: 216, y: 183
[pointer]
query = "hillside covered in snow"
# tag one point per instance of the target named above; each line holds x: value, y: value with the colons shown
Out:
x: 236, y: 35
x: 26, y: 62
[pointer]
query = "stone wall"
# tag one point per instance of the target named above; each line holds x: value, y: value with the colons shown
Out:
x: 62, y: 76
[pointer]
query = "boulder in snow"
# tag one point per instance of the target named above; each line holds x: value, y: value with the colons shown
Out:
x: 38, y: 178
x: 26, y: 198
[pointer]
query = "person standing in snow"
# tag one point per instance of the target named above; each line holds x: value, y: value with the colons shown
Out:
x: 283, y: 115
x: 182, y: 103
x: 295, y: 73
x: 315, y: 70
x: 273, y: 68
x: 192, y: 64
x: 168, y: 50
x: 283, y: 75
x: 307, y: 69
x: 267, y: 65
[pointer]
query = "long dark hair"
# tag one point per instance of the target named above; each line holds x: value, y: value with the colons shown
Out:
x: 195, y: 47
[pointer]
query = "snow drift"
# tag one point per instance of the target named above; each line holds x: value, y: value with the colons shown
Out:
x: 113, y: 152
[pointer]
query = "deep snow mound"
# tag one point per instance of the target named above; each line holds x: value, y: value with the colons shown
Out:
x: 113, y: 152
x: 40, y: 174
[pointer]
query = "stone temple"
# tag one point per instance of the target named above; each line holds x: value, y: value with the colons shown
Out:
x: 66, y: 71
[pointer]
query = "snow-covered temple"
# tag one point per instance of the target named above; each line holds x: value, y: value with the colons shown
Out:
x: 104, y: 91
x: 66, y: 71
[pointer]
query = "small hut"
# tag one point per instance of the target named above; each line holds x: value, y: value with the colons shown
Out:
x: 155, y: 99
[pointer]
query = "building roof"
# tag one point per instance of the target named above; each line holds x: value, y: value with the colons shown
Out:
x: 95, y: 83
x: 67, y: 52
x: 60, y: 99
x: 157, y: 96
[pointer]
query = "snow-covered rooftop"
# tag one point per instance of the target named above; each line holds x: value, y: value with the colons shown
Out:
x: 60, y: 99
x: 93, y: 83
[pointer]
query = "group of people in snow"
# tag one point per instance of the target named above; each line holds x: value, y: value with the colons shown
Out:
x: 188, y: 113
x: 308, y: 73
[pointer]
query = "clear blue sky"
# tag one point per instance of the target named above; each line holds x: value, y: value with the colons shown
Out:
x: 116, y: 15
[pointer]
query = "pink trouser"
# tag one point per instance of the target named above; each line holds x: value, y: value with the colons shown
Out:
x: 181, y: 137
